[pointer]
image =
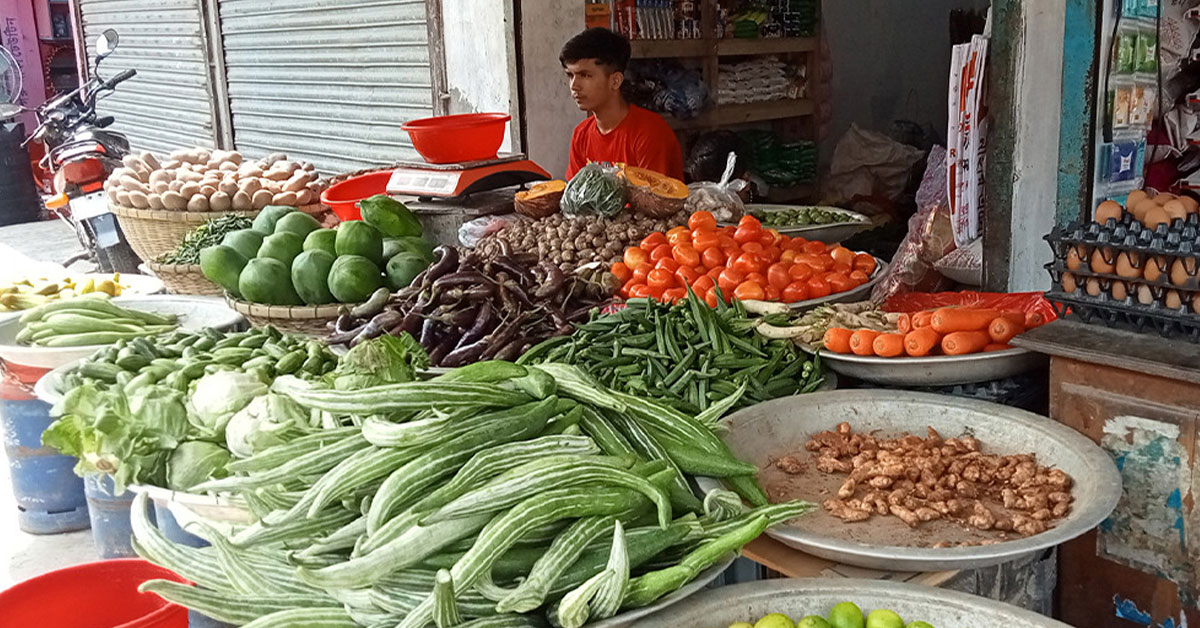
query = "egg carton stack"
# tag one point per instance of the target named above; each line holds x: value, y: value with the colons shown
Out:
x: 760, y: 80
x: 1124, y: 273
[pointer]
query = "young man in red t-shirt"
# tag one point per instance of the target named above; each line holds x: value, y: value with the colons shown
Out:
x: 615, y: 131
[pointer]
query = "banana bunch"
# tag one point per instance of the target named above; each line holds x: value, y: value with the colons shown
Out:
x: 29, y: 293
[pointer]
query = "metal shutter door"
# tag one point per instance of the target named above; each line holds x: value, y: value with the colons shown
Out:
x: 168, y: 104
x: 327, y: 81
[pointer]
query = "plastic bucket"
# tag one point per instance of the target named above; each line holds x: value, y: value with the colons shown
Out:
x: 343, y: 197
x: 92, y: 595
x: 171, y: 529
x: 458, y: 138
x: 49, y: 496
x: 111, y: 528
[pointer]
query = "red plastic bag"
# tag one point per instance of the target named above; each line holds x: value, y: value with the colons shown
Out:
x: 1026, y: 302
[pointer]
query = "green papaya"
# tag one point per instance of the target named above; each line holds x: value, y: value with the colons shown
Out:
x: 310, y: 276
x: 298, y: 223
x: 353, y: 278
x: 403, y: 268
x: 246, y: 242
x: 223, y: 265
x: 359, y: 238
x: 283, y: 246
x: 391, y: 217
x: 322, y: 239
x: 264, y: 223
x: 267, y: 280
x: 420, y: 246
x: 391, y: 246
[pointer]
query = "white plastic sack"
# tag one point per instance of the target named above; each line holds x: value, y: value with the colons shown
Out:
x: 866, y: 163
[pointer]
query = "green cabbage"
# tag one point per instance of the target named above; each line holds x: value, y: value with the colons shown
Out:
x: 383, y: 360
x: 194, y: 462
x: 218, y: 396
x: 267, y: 421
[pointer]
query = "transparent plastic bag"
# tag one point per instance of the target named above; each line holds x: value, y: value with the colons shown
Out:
x: 472, y: 231
x: 596, y: 190
x: 722, y: 198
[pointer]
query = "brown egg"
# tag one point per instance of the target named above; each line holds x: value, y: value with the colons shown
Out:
x: 1099, y: 262
x: 1190, y: 203
x: 1134, y: 198
x: 1176, y: 209
x: 1179, y: 271
x: 1173, y: 300
x: 1153, y: 268
x: 1068, y: 283
x: 1196, y: 303
x: 1140, y: 210
x: 1073, y: 259
x: 1093, y: 287
x: 1119, y: 290
x: 1155, y: 217
x: 1109, y: 209
x: 1144, y: 295
x: 1164, y: 197
x: 1125, y: 265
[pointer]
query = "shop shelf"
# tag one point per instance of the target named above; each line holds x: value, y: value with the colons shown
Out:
x: 670, y: 48
x: 729, y: 47
x: 735, y: 46
x: 726, y: 115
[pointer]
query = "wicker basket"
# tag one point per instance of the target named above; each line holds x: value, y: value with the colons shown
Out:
x: 153, y: 232
x: 184, y: 279
x: 309, y: 320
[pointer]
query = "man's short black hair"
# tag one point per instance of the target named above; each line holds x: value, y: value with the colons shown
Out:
x: 606, y: 47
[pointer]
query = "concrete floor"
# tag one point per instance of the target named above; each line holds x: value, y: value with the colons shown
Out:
x: 45, y: 241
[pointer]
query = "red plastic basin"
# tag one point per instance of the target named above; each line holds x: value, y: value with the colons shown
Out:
x: 458, y: 138
x: 343, y: 197
x: 93, y: 595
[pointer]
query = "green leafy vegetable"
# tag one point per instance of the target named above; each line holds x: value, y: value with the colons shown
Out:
x: 194, y: 462
x: 383, y: 360
x: 218, y: 396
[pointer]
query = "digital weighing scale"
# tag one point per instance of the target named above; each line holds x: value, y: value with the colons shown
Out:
x: 428, y: 181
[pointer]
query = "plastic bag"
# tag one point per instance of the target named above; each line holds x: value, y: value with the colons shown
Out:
x: 720, y: 198
x: 710, y: 156
x: 866, y: 163
x: 472, y: 231
x: 1027, y: 302
x: 964, y: 264
x: 597, y: 189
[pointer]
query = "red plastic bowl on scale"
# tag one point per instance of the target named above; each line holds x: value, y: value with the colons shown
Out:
x: 458, y: 138
x: 343, y: 197
x: 93, y: 595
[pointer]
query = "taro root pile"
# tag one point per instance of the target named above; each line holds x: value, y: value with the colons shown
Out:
x: 574, y: 241
x: 924, y: 479
x: 465, y: 309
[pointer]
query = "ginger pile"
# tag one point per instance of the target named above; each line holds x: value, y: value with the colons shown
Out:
x: 922, y: 479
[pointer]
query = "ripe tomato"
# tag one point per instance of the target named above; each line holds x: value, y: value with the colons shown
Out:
x: 711, y: 298
x: 660, y: 251
x: 777, y: 276
x: 729, y: 280
x: 772, y: 253
x: 704, y: 240
x: 818, y: 287
x: 842, y: 255
x: 726, y: 242
x: 779, y: 237
x: 679, y: 234
x: 800, y: 272
x: 787, y: 257
x: 795, y: 244
x: 749, y: 221
x: 639, y: 291
x: 685, y: 254
x: 621, y: 271
x: 795, y: 291
x: 752, y: 247
x: 687, y: 275
x: 674, y: 294
x: 702, y: 220
x: 715, y: 272
x: 766, y: 238
x: 839, y: 282
x: 839, y: 267
x: 660, y: 278
x: 640, y: 273
x: 749, y: 290
x: 656, y: 293
x: 624, y: 291
x: 653, y: 240
x: 771, y: 293
x: 713, y: 256
x: 747, y: 263
x: 814, y: 247
x: 635, y: 257
x: 746, y: 234
x: 757, y: 278
x: 859, y: 277
x: 865, y: 263
x: 818, y: 262
x: 667, y: 264
x: 703, y: 284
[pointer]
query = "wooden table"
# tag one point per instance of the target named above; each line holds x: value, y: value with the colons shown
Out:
x: 1138, y: 395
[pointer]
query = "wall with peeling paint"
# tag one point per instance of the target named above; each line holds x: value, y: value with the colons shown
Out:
x: 481, y: 60
x: 550, y: 114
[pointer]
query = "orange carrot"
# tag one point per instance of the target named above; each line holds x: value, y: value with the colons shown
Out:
x: 951, y: 319
x: 904, y: 323
x: 1015, y: 317
x: 862, y: 342
x: 837, y: 339
x: 1033, y: 319
x: 964, y: 342
x: 1002, y: 330
x: 888, y: 345
x: 919, y: 342
x: 921, y: 319
x: 996, y: 347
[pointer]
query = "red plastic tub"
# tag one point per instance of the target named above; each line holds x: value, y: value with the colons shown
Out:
x: 458, y: 138
x: 343, y: 197
x: 93, y: 595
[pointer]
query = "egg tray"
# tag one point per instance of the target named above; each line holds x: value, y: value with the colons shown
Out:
x: 1104, y: 310
x: 1158, y: 287
x: 1180, y: 239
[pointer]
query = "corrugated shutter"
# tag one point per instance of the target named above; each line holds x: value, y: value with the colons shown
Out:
x: 327, y: 81
x: 168, y: 104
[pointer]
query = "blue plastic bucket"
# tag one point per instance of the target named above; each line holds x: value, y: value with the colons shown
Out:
x: 49, y: 496
x: 112, y: 532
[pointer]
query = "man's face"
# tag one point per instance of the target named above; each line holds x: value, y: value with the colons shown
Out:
x: 592, y: 85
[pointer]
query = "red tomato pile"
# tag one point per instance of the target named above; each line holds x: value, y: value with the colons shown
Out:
x: 746, y: 262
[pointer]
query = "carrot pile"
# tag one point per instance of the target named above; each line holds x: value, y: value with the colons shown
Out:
x: 944, y: 331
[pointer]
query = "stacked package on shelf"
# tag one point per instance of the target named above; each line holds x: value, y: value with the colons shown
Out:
x: 773, y: 18
x: 780, y: 163
x: 761, y: 79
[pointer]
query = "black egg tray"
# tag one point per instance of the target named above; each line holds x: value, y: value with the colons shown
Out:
x: 1104, y: 310
x: 1158, y: 288
x: 1181, y: 238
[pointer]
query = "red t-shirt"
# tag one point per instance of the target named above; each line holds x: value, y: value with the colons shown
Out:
x: 643, y: 139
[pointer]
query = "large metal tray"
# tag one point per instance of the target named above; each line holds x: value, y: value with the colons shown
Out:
x: 817, y: 596
x: 193, y: 312
x: 695, y: 586
x: 828, y: 234
x: 764, y: 432
x: 860, y: 293
x: 936, y: 370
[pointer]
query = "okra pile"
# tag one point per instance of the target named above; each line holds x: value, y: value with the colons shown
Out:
x: 688, y: 355
x: 494, y: 496
x: 179, y: 358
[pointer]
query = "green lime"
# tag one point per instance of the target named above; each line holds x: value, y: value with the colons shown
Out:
x: 918, y: 624
x: 846, y: 615
x: 813, y: 621
x: 741, y: 624
x: 883, y: 618
x: 775, y: 620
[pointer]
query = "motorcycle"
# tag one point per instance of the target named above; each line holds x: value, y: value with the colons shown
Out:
x: 81, y: 154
